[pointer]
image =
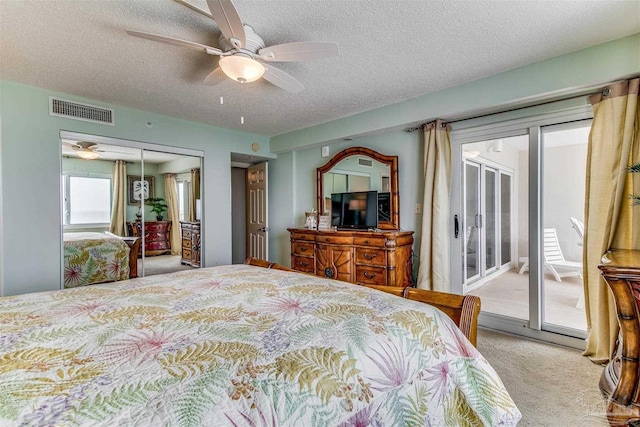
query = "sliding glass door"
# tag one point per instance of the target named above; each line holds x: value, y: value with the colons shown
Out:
x: 518, y: 188
x: 487, y: 217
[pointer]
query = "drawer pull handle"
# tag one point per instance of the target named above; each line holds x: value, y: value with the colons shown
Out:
x: 328, y: 239
x: 369, y: 275
x: 304, y: 248
x: 304, y: 264
x: 370, y: 256
x: 367, y: 242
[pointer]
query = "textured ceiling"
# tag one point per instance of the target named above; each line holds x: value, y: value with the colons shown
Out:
x: 389, y: 51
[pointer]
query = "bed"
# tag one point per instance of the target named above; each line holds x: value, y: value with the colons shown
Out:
x: 241, y: 345
x: 91, y: 258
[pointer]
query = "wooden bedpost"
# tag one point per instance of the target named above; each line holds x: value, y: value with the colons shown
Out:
x: 134, y: 249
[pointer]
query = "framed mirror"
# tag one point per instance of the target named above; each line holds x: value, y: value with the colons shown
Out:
x: 362, y: 169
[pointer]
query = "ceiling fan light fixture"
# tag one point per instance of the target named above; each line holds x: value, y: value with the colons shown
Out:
x: 87, y: 154
x: 241, y: 68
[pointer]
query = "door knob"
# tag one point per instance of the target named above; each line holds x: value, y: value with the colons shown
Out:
x: 264, y: 229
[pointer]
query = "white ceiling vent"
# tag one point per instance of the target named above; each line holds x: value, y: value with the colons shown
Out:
x: 365, y: 162
x: 79, y: 111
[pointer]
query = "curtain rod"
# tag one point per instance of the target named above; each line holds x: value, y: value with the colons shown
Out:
x: 605, y: 92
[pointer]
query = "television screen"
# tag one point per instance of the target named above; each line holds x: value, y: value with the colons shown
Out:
x: 355, y: 210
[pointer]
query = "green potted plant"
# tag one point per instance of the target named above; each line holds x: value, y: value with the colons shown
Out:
x: 157, y: 205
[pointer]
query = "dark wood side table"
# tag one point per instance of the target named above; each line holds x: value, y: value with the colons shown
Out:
x: 620, y: 380
x: 156, y: 236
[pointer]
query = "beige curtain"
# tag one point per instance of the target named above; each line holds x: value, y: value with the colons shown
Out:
x: 171, y: 196
x: 434, y: 247
x: 610, y: 219
x: 119, y: 205
x: 195, y: 193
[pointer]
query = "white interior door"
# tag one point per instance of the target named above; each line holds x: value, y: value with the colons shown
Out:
x: 257, y: 212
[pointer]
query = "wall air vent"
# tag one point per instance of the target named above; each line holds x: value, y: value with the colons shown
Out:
x: 79, y: 111
x: 365, y: 162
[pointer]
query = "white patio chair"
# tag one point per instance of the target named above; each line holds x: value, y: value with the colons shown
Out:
x: 554, y: 259
x: 579, y: 227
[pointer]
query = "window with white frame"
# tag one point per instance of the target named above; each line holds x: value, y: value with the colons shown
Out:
x: 87, y: 200
x: 181, y: 194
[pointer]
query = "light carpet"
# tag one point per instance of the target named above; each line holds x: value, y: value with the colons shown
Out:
x: 551, y: 385
x: 161, y: 264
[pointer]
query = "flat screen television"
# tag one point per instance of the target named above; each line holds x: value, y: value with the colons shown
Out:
x: 354, y: 210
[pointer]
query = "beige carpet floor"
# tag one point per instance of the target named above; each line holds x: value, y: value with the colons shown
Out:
x: 551, y: 385
x: 161, y: 264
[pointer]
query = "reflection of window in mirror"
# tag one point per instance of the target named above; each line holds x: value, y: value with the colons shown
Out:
x: 359, y: 183
x: 386, y: 184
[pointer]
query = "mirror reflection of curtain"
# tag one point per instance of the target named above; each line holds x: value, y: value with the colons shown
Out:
x: 610, y: 219
x: 195, y: 193
x: 434, y: 247
x: 171, y: 196
x: 119, y: 204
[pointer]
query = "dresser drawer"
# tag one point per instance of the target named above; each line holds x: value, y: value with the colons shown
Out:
x: 303, y: 248
x: 155, y: 227
x: 335, y: 240
x: 370, y: 241
x: 302, y: 236
x: 303, y: 264
x: 371, y: 275
x: 186, y: 233
x: 371, y: 256
x: 155, y: 237
x: 186, y: 253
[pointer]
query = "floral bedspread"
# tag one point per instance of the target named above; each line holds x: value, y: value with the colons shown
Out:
x: 239, y: 346
x: 94, y: 258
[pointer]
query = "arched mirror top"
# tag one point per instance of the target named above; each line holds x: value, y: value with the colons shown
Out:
x: 362, y: 169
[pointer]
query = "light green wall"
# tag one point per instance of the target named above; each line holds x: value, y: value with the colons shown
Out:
x: 299, y: 151
x: 30, y: 241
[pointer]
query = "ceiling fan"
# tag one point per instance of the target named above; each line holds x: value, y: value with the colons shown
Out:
x: 88, y: 150
x: 243, y: 55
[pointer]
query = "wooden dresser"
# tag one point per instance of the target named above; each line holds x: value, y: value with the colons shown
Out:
x: 361, y: 257
x: 156, y: 236
x: 621, y: 378
x: 190, y: 243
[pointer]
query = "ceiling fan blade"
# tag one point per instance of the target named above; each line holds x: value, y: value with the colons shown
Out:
x: 194, y: 7
x: 175, y: 42
x: 228, y: 20
x: 214, y: 77
x: 299, y: 51
x: 281, y: 79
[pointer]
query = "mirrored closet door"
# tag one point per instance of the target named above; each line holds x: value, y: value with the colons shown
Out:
x: 127, y: 211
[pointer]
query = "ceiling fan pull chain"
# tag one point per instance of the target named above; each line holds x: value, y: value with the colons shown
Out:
x: 241, y: 101
x: 220, y: 81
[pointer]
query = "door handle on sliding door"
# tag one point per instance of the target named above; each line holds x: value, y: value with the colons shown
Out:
x: 478, y: 221
x: 456, y: 226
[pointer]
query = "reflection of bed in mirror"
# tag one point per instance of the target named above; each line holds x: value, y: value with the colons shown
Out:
x: 91, y: 258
